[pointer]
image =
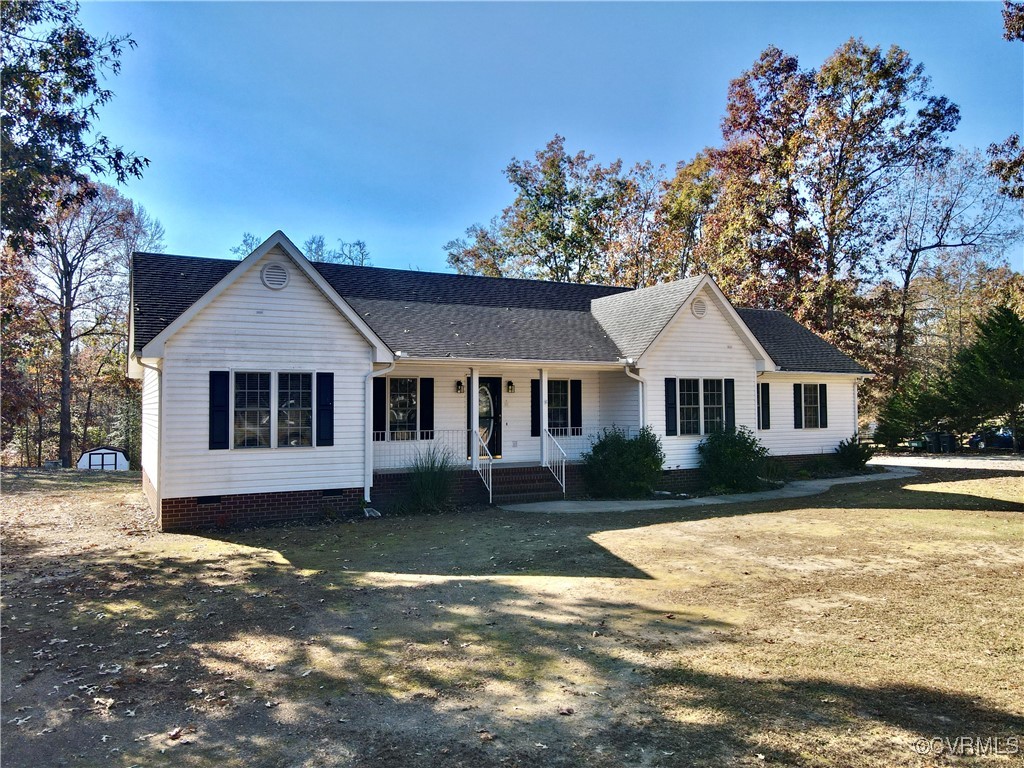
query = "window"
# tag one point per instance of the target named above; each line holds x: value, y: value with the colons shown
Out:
x: 294, y: 410
x: 558, y: 408
x: 403, y: 396
x: 714, y: 406
x: 696, y: 406
x: 252, y: 410
x: 764, y: 417
x: 689, y: 406
x: 810, y: 406
x: 268, y: 409
x: 403, y: 408
x: 565, y: 407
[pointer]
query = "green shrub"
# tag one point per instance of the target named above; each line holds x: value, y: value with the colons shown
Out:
x: 431, y: 481
x: 852, y: 454
x: 623, y: 467
x: 732, y: 459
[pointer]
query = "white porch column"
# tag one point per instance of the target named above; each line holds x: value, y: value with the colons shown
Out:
x: 474, y: 416
x: 543, y: 417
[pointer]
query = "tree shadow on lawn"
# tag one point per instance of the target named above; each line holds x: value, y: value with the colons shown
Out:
x: 492, y: 542
x: 362, y: 670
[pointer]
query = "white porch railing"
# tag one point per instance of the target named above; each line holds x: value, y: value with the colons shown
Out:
x: 574, y: 446
x: 485, y: 465
x: 555, y: 458
x: 400, y: 450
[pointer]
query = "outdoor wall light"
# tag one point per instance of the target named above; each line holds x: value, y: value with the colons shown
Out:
x: 459, y: 386
x: 510, y: 388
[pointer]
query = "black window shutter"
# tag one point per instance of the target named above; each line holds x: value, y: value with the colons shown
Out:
x: 798, y: 406
x: 766, y: 408
x: 535, y: 408
x: 730, y: 404
x: 822, y: 406
x: 426, y: 409
x: 220, y: 400
x: 325, y: 408
x: 380, y: 408
x: 575, y: 407
x: 671, y: 411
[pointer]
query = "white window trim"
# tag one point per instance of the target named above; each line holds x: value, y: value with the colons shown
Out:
x: 700, y: 396
x: 803, y: 404
x: 274, y: 408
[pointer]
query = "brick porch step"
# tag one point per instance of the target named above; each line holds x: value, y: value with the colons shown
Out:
x: 518, y: 485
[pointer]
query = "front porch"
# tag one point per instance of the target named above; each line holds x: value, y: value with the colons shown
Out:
x: 514, y: 425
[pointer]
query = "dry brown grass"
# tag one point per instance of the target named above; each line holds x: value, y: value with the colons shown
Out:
x: 831, y: 631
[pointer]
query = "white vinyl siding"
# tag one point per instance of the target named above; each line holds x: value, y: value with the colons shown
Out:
x: 691, y: 348
x: 151, y: 428
x: 784, y: 439
x: 620, y: 400
x: 252, y: 328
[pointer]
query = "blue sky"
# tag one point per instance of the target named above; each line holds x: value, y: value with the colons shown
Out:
x: 392, y: 122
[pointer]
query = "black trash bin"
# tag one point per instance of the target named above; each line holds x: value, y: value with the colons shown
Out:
x: 948, y: 443
x: 932, y: 442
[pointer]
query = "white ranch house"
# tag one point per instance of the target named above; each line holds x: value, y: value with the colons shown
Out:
x: 277, y: 388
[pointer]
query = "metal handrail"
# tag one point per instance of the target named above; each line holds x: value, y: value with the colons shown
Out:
x: 555, y: 458
x: 489, y: 475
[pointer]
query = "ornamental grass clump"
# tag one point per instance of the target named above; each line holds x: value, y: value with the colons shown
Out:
x: 732, y: 460
x: 619, y: 466
x: 431, y: 481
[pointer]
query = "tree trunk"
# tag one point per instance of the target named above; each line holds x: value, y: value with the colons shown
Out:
x: 65, y: 388
x: 901, y: 328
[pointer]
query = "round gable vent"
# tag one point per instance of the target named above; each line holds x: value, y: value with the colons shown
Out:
x: 699, y: 308
x: 274, y: 276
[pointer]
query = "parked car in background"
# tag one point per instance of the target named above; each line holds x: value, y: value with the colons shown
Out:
x: 934, y: 442
x: 992, y: 438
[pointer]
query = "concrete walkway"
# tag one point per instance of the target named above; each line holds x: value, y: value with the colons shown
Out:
x: 792, y: 490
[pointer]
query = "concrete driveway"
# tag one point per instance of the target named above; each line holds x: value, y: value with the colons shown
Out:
x: 965, y: 460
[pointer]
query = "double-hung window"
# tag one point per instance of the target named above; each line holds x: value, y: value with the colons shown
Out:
x: 810, y: 406
x: 294, y: 410
x: 252, y: 410
x: 714, y: 405
x: 689, y: 406
x: 558, y: 407
x: 699, y: 406
x: 403, y: 398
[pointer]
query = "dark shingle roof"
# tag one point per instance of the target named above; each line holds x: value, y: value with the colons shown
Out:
x: 164, y: 286
x: 426, y: 314
x: 793, y: 347
x: 430, y: 314
x: 635, y: 318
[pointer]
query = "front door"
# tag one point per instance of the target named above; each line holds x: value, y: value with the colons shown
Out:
x: 489, y: 421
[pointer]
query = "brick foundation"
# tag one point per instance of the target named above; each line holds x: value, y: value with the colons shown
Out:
x: 389, y: 492
x: 254, y: 509
x: 390, y: 489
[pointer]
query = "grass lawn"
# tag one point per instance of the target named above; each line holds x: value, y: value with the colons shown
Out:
x: 836, y: 630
